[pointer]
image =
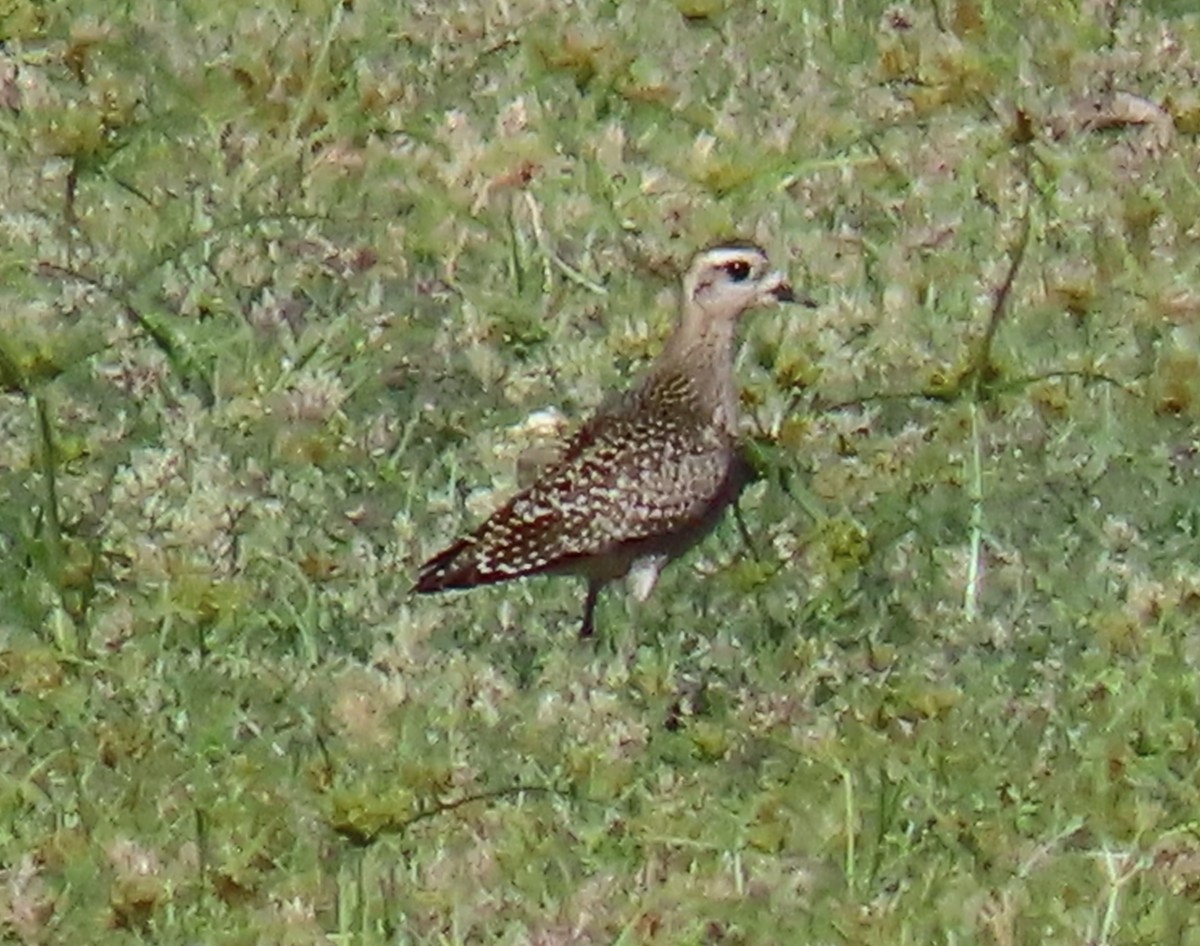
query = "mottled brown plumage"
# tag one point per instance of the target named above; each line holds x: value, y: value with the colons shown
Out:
x: 651, y: 473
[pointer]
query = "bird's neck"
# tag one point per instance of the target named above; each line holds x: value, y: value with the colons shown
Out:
x: 701, y: 350
x: 702, y: 336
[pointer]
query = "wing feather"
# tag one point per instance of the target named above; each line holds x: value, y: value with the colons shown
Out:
x: 628, y: 476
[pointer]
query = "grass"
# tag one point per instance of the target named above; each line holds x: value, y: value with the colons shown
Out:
x: 282, y: 288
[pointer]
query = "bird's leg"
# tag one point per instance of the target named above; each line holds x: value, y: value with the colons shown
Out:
x: 589, y: 609
x: 741, y: 524
x: 748, y: 466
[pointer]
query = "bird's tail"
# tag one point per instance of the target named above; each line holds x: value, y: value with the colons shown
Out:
x: 452, y: 568
x: 465, y: 564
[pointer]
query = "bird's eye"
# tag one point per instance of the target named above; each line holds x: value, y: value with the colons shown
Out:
x: 738, y: 270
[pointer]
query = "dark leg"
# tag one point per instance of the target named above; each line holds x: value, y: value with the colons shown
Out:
x: 747, y: 468
x: 741, y: 524
x: 589, y: 610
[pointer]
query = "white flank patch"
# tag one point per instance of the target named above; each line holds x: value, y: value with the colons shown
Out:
x: 644, y: 574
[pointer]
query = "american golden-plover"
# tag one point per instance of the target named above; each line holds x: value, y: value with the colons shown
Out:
x: 653, y: 470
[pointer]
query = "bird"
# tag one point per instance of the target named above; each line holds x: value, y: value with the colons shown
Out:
x: 653, y: 470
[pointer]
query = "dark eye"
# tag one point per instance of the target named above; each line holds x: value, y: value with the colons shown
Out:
x: 738, y: 270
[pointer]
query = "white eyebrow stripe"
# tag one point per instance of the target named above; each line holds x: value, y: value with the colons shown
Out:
x: 723, y: 257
